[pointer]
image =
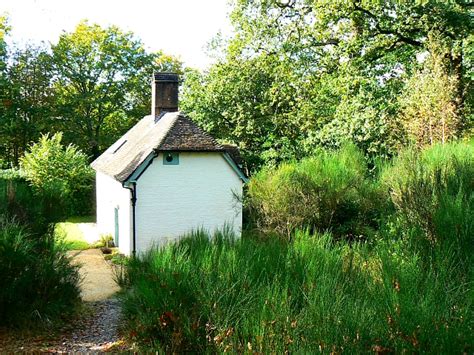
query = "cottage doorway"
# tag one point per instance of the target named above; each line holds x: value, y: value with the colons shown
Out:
x: 116, y: 235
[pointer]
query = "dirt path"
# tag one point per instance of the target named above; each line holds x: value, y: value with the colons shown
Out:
x: 99, y: 330
x: 94, y: 331
x: 98, y: 283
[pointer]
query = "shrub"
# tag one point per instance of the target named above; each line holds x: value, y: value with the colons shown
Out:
x: 328, y: 191
x: 38, y: 283
x: 433, y: 191
x: 18, y: 200
x: 63, y: 172
x: 215, y: 294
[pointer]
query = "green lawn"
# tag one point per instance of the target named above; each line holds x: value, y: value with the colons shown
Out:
x: 70, y: 233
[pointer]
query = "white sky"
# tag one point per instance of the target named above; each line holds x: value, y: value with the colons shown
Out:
x: 178, y: 27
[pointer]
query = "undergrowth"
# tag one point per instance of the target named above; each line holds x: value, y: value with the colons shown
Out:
x: 271, y: 296
x: 38, y: 286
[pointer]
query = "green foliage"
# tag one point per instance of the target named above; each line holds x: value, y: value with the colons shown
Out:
x: 326, y: 192
x: 28, y: 101
x: 364, y: 118
x: 298, y: 75
x: 12, y: 174
x: 63, y: 172
x: 106, y: 240
x: 4, y: 29
x: 433, y: 190
x: 203, y: 295
x: 243, y: 102
x: 18, y: 200
x: 429, y: 109
x: 38, y: 283
x: 102, y: 86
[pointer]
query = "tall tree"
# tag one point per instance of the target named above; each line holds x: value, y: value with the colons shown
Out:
x: 102, y: 78
x: 429, y: 102
x: 333, y: 72
x: 30, y: 100
x: 4, y: 103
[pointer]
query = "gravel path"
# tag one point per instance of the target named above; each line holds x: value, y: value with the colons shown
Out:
x: 97, y: 332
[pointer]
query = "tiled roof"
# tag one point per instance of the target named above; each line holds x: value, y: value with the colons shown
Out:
x: 172, y: 131
x: 185, y: 135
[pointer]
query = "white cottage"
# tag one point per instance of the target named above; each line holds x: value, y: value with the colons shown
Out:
x: 166, y: 177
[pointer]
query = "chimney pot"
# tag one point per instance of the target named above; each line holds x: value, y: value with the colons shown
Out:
x: 164, y: 93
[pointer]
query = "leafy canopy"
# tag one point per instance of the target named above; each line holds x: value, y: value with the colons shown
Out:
x: 300, y: 74
x: 102, y: 78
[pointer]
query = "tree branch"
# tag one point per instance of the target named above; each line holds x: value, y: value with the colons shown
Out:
x: 381, y: 30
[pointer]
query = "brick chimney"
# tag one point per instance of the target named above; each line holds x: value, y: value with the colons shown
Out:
x: 164, y: 91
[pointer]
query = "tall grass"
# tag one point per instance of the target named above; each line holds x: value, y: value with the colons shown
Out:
x: 38, y: 285
x: 225, y: 295
x: 409, y: 290
x: 433, y: 191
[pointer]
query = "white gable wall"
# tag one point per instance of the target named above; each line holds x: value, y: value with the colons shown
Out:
x: 111, y: 194
x: 175, y: 199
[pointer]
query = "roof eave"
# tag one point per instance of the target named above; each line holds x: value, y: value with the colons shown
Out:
x: 135, y: 175
x: 235, y: 167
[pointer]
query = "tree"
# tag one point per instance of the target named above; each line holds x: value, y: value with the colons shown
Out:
x: 4, y: 28
x: 429, y: 104
x: 30, y: 100
x: 50, y: 166
x: 243, y: 102
x: 324, y: 72
x: 102, y: 78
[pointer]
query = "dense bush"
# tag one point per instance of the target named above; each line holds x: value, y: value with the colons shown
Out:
x: 433, y: 190
x: 38, y: 284
x: 19, y: 200
x: 326, y: 192
x: 273, y: 296
x: 62, y: 172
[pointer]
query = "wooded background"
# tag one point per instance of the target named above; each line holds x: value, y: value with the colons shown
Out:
x: 295, y: 75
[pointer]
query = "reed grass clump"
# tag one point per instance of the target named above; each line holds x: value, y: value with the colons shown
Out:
x: 38, y: 285
x: 433, y: 191
x: 214, y: 293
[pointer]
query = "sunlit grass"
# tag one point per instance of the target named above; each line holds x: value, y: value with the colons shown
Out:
x: 270, y: 296
x: 71, y: 235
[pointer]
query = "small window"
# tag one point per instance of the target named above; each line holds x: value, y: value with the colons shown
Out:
x: 170, y: 158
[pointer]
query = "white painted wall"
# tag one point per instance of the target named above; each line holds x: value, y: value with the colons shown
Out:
x: 175, y: 199
x: 111, y: 194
